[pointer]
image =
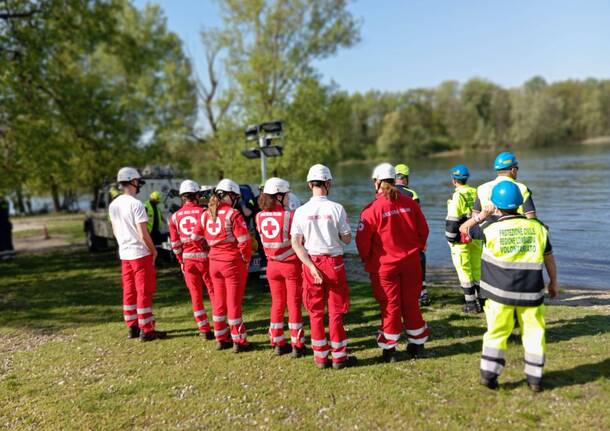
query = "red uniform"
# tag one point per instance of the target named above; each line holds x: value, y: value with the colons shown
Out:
x: 284, y: 271
x: 230, y: 252
x: 390, y: 236
x: 139, y: 280
x: 193, y: 254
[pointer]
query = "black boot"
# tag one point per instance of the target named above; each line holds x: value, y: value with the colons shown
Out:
x: 223, y: 345
x: 424, y: 298
x: 152, y: 335
x: 240, y: 348
x: 349, y: 362
x: 415, y: 350
x: 535, y: 387
x: 133, y: 332
x: 282, y: 350
x: 490, y: 383
x: 472, y: 307
x: 389, y: 355
x: 208, y: 335
x: 298, y: 352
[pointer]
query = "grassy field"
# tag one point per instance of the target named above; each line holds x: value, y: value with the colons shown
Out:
x: 65, y: 363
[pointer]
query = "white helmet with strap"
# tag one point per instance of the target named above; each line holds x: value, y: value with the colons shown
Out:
x: 126, y: 174
x: 188, y: 186
x: 276, y: 185
x: 384, y: 171
x: 228, y: 186
x: 319, y: 173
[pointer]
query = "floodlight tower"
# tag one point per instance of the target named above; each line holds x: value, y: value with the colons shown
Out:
x: 264, y: 134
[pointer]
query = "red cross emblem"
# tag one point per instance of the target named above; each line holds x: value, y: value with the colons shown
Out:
x: 270, y: 228
x: 213, y: 227
x: 187, y: 225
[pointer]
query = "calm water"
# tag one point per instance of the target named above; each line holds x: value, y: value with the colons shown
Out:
x: 571, y: 190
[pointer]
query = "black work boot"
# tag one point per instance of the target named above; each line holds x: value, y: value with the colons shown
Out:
x: 424, y: 298
x: 472, y: 307
x: 349, y: 362
x: 535, y: 387
x: 490, y: 383
x: 207, y: 335
x: 133, y: 332
x: 298, y: 352
x: 152, y: 335
x: 223, y: 345
x: 415, y: 350
x: 240, y: 348
x: 322, y: 365
x: 282, y: 350
x: 389, y: 355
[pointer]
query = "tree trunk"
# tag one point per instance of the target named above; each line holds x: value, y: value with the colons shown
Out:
x: 55, y: 196
x: 20, y: 204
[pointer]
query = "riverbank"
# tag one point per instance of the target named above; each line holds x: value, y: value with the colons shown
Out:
x: 66, y: 363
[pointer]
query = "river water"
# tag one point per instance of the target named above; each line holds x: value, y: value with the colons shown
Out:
x: 570, y: 187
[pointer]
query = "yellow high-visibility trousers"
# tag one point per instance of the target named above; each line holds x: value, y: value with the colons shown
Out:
x: 500, y: 324
x: 467, y: 262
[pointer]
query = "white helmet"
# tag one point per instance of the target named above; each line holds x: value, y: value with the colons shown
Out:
x: 276, y: 185
x: 188, y: 186
x: 319, y: 173
x: 228, y: 185
x: 293, y: 201
x: 384, y: 171
x: 126, y: 174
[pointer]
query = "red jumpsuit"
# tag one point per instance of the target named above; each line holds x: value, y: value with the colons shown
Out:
x: 390, y: 236
x: 284, y: 275
x: 230, y: 252
x: 194, y: 256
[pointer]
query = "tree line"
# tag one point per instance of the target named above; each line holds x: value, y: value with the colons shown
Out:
x: 87, y: 86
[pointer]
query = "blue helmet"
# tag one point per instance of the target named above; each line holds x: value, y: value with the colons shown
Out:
x: 505, y: 160
x: 460, y: 172
x: 506, y: 195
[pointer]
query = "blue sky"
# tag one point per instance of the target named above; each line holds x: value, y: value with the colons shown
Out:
x: 420, y: 43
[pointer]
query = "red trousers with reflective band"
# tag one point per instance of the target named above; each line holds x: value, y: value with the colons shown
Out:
x: 229, y: 284
x: 285, y: 282
x: 397, y: 292
x: 139, y: 280
x: 196, y: 274
x: 333, y: 293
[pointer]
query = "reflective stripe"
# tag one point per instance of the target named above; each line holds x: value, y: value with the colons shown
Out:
x: 239, y: 336
x: 319, y: 343
x: 276, y: 244
x: 493, y: 352
x: 295, y: 325
x: 144, y: 310
x: 129, y: 307
x: 339, y: 266
x: 276, y: 325
x: 201, y: 255
x: 176, y: 244
x: 466, y: 284
x: 130, y: 317
x: 177, y: 250
x: 450, y: 235
x: 491, y: 366
x: 321, y: 354
x: 534, y: 358
x: 487, y: 257
x: 416, y: 332
x: 391, y: 337
x: 277, y: 339
x: 470, y: 298
x: 198, y: 313
x: 243, y: 238
x: 417, y: 340
x: 221, y: 332
x: 338, y: 345
x: 202, y: 323
x: 512, y: 295
x: 452, y: 218
x: 145, y: 321
x: 286, y: 237
x: 533, y: 370
x: 296, y: 339
x: 235, y: 321
x: 283, y: 256
x: 339, y: 354
x: 386, y: 346
x: 219, y: 318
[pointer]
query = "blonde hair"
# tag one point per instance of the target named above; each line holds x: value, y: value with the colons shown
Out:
x: 389, y: 191
x: 213, y: 206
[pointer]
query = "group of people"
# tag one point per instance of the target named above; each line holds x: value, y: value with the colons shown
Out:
x: 304, y: 249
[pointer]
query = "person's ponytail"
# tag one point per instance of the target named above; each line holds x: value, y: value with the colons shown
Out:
x: 213, y: 206
x: 389, y: 191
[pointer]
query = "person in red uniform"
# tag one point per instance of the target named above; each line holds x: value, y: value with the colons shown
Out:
x: 226, y: 233
x: 192, y: 255
x: 391, y: 234
x: 284, y: 271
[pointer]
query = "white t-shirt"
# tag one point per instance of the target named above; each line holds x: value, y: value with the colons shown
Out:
x: 126, y: 212
x: 321, y: 221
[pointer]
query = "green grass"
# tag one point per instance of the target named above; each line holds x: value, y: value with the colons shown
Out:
x: 69, y: 226
x: 65, y: 364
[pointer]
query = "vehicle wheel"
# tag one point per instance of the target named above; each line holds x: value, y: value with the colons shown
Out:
x: 95, y: 243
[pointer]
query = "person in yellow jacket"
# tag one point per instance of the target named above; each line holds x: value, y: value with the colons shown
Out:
x: 507, y: 167
x: 402, y: 184
x: 155, y: 219
x: 466, y: 255
x: 515, y: 249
